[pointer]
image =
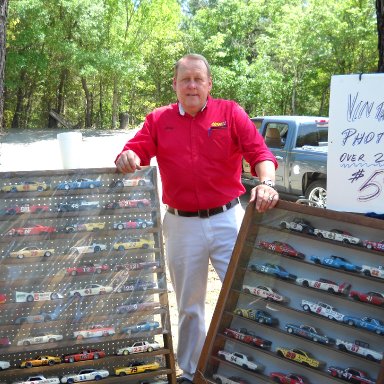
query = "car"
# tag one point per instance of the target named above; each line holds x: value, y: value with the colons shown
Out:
x: 90, y: 290
x: 96, y: 330
x: 23, y: 297
x: 256, y: 314
x: 299, y: 356
x: 77, y: 205
x: 133, y: 223
x: 360, y: 348
x: 87, y: 267
x: 88, y: 227
x: 134, y: 244
x: 142, y: 326
x: 87, y: 374
x: 280, y: 247
x: 41, y: 338
x: 40, y: 318
x: 37, y: 229
x: 136, y: 367
x: 247, y: 337
x: 265, y: 292
x: 4, y: 342
x: 338, y: 262
x: 4, y: 365
x: 368, y: 323
x: 38, y: 379
x: 338, y: 235
x: 32, y: 252
x: 131, y: 182
x: 308, y: 332
x: 136, y: 265
x: 298, y: 224
x: 375, y: 245
x: 240, y: 359
x: 26, y: 208
x: 287, y: 378
x: 324, y: 284
x: 372, y: 297
x: 40, y: 361
x: 274, y: 270
x: 139, y: 347
x: 23, y: 186
x: 3, y: 298
x: 92, y: 248
x: 370, y: 271
x: 133, y: 305
x: 83, y: 355
x: 322, y: 309
x: 134, y: 285
x: 220, y: 379
x: 352, y: 375
x: 81, y: 183
x: 128, y: 203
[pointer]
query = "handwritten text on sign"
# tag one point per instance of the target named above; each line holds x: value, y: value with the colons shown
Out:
x: 355, y: 180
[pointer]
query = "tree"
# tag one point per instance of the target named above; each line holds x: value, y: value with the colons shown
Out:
x: 380, y: 32
x: 3, y: 23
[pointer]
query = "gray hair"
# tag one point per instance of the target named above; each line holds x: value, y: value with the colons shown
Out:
x: 192, y: 56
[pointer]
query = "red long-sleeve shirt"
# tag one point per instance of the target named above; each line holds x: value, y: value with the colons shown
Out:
x: 200, y: 157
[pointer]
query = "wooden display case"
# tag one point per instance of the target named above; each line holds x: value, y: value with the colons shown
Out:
x: 309, y: 278
x: 91, y: 277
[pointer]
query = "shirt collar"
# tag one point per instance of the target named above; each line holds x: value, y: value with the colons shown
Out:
x: 182, y: 112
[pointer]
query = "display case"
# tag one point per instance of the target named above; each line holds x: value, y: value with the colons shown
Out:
x: 83, y: 287
x: 302, y: 301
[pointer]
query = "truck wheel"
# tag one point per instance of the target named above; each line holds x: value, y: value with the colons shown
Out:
x: 317, y: 192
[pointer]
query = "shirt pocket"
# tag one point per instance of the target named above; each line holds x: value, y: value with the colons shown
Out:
x: 217, y: 143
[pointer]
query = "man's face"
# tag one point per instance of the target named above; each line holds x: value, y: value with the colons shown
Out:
x: 192, y: 85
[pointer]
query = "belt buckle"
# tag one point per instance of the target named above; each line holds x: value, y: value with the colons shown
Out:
x: 203, y: 213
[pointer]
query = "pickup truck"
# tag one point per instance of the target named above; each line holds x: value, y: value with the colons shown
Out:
x: 359, y: 347
x: 300, y: 145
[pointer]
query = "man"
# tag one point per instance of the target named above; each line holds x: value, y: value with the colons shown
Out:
x: 199, y: 143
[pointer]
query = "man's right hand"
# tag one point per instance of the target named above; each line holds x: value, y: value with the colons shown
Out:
x: 128, y: 162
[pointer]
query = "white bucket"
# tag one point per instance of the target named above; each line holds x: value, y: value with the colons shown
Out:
x: 71, y: 149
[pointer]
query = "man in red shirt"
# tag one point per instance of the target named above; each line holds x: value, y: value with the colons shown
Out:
x: 199, y: 143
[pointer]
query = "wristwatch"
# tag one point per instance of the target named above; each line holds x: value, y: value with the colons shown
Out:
x: 268, y: 182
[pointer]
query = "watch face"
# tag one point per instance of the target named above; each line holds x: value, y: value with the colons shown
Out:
x: 270, y: 183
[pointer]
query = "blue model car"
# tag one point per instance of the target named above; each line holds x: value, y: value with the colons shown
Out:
x: 143, y: 326
x: 336, y: 262
x: 368, y: 323
x: 273, y: 269
x: 81, y: 183
x: 256, y: 314
x: 308, y: 332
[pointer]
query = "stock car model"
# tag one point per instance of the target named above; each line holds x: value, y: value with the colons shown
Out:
x: 90, y: 290
x: 81, y: 183
x: 373, y: 271
x: 359, y: 347
x: 23, y: 186
x: 134, y: 285
x: 32, y: 252
x: 85, y: 227
x: 142, y: 326
x: 131, y: 203
x: 256, y: 314
x: 220, y: 379
x: 35, y: 230
x: 371, y: 297
x: 352, y: 375
x: 86, y: 354
x: 240, y: 359
x: 96, y: 330
x: 40, y: 338
x: 87, y: 374
x: 132, y: 182
x: 40, y: 361
x: 139, y: 347
x: 92, y: 248
x: 3, y: 298
x: 136, y: 367
x: 376, y: 245
x: 308, y: 332
x: 134, y: 244
x: 322, y: 309
x: 38, y: 379
x: 324, y: 284
x: 267, y: 293
x: 299, y: 356
x: 77, y: 205
x: 133, y: 305
x: 282, y: 248
x: 287, y: 378
x: 368, y: 323
x: 136, y: 265
x: 4, y: 365
x: 4, y: 342
x: 247, y: 337
x: 87, y: 267
x: 40, y: 318
x: 338, y: 235
x: 274, y: 270
x: 133, y: 223
x: 26, y: 208
x: 337, y: 262
x: 23, y: 297
x: 298, y: 224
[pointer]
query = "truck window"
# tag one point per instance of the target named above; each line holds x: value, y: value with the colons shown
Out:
x: 312, y: 134
x: 275, y: 135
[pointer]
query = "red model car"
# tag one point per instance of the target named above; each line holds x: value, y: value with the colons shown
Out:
x: 289, y: 378
x: 280, y: 247
x: 376, y: 245
x: 248, y: 337
x: 35, y: 230
x: 371, y: 297
x: 87, y: 354
x: 87, y: 267
x: 3, y: 298
x: 134, y: 203
x: 26, y: 208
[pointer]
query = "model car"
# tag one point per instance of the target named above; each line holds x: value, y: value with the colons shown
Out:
x: 40, y: 361
x: 22, y: 297
x: 38, y: 379
x: 134, y: 244
x: 247, y: 337
x: 136, y: 367
x: 86, y: 354
x: 26, y: 208
x: 324, y: 284
x: 133, y: 305
x: 376, y: 245
x: 359, y: 347
x: 92, y: 248
x: 220, y: 379
x: 132, y: 203
x: 87, y: 374
x: 81, y: 183
x: 3, y: 298
x: 337, y: 262
x: 265, y: 292
x: 142, y: 326
x: 373, y: 271
x: 40, y: 318
x: 96, y: 330
x: 138, y: 347
x: 137, y: 265
x: 274, y: 270
x: 35, y: 230
x: 133, y: 223
x: 134, y: 285
x: 133, y: 182
x: 4, y: 342
x: 281, y: 248
x: 87, y: 267
x: 338, y: 235
x: 368, y: 323
x: 298, y: 224
x: 85, y: 227
x: 308, y: 332
x: 299, y: 356
x: 256, y: 314
x: 90, y: 290
x: 371, y: 297
x: 23, y: 186
x: 77, y: 205
x: 4, y: 365
x: 32, y: 252
x: 287, y: 378
x: 40, y: 338
x: 322, y: 309
x: 352, y: 375
x: 240, y: 359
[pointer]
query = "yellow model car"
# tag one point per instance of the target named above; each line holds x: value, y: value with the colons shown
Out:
x: 134, y: 244
x: 85, y: 227
x: 137, y: 367
x: 299, y: 356
x: 23, y: 186
x: 40, y: 361
x: 32, y: 252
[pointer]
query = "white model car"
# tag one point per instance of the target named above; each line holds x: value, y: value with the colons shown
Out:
x: 240, y: 359
x: 322, y: 309
x: 4, y: 365
x: 228, y: 380
x: 324, y: 284
x: 92, y: 248
x: 264, y: 292
x: 23, y: 297
x: 138, y: 347
x: 85, y: 375
x: 359, y: 348
x: 338, y: 235
x: 97, y: 330
x: 373, y: 271
x: 39, y: 379
x: 90, y: 290
x: 40, y: 339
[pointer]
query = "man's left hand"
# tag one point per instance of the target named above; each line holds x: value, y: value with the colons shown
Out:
x: 265, y: 197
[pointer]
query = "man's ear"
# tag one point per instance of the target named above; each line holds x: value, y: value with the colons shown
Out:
x: 174, y: 84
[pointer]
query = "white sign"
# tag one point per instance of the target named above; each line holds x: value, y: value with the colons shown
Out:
x: 355, y: 168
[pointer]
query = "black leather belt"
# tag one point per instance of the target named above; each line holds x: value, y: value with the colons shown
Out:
x: 204, y: 213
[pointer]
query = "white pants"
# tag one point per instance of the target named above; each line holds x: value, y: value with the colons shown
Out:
x: 190, y: 242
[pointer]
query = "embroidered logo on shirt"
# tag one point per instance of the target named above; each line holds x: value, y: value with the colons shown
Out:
x: 217, y: 125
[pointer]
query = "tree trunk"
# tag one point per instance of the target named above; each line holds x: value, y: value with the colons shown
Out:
x: 380, y: 32
x: 3, y: 23
x: 18, y: 114
x: 88, y: 103
x: 115, y: 103
x: 101, y: 101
